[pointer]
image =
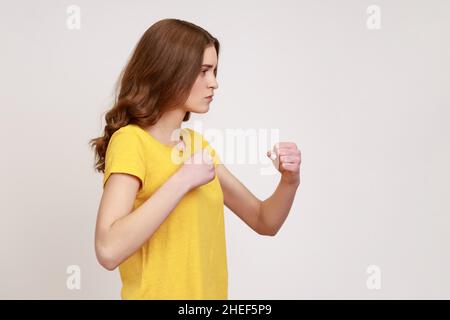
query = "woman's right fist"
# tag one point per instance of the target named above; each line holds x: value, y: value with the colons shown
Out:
x: 198, y: 169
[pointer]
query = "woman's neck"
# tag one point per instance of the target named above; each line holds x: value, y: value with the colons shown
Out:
x: 169, y: 123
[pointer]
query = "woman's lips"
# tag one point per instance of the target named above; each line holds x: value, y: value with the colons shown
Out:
x: 209, y: 98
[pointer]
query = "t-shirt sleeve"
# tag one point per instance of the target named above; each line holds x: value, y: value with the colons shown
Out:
x: 124, y: 154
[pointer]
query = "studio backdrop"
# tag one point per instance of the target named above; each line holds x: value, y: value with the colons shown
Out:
x: 361, y: 87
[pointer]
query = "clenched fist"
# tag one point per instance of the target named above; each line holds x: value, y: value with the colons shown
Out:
x: 286, y: 158
x: 198, y: 169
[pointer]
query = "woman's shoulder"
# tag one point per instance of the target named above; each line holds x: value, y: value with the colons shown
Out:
x: 127, y: 137
x: 129, y: 128
x: 130, y: 131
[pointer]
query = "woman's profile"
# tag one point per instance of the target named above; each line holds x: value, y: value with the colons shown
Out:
x: 161, y: 215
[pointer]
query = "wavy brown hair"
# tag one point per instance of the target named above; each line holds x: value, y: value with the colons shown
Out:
x: 159, y: 76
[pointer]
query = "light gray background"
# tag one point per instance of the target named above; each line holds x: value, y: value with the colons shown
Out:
x: 369, y: 110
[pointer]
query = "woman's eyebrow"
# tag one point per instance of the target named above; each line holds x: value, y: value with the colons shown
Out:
x: 207, y: 65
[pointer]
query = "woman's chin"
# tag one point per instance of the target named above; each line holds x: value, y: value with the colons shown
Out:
x: 204, y: 109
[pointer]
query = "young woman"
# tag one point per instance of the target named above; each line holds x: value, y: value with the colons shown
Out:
x: 160, y: 218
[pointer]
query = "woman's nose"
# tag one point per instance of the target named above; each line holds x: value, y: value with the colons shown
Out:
x: 214, y: 84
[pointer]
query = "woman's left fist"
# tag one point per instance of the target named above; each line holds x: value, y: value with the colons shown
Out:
x: 287, y: 159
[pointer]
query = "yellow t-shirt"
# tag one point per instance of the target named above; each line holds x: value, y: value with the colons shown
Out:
x: 185, y: 258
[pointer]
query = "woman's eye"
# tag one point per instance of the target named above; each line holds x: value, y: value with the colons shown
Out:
x: 204, y: 71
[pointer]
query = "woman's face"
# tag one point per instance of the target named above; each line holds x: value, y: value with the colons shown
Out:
x: 205, y: 84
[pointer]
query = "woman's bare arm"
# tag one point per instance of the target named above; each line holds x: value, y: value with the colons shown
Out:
x: 264, y: 217
x: 120, y: 231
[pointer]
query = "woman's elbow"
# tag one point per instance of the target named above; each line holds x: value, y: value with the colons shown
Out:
x: 108, y: 265
x: 106, y: 258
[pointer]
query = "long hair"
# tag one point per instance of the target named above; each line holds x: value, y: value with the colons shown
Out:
x: 159, y: 76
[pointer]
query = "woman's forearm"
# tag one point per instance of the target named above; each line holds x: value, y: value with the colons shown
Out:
x: 275, y: 209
